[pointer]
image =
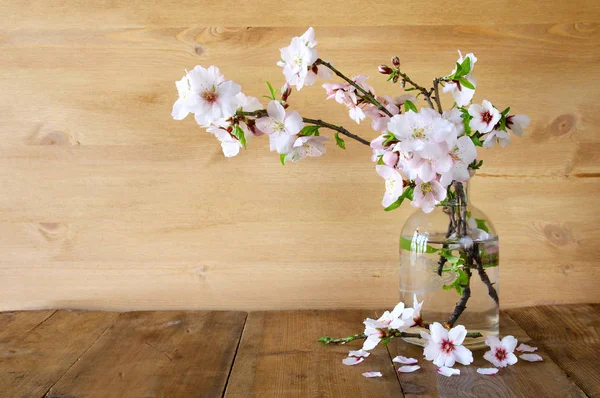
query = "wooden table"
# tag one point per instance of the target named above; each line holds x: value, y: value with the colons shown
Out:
x: 272, y: 354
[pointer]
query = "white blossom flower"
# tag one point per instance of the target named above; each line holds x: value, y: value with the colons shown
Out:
x: 517, y: 123
x: 408, y: 368
x: 462, y: 95
x: 485, y: 116
x: 463, y: 153
x: 206, y: 94
x: 502, y: 352
x: 394, y: 186
x: 372, y: 374
x: 526, y: 348
x: 531, y: 357
x: 375, y: 330
x: 281, y: 127
x: 448, y: 371
x: 417, y: 311
x: 229, y: 144
x: 297, y: 58
x: 405, y: 360
x: 427, y: 195
x: 433, y: 159
x: 454, y: 117
x: 500, y: 136
x: 307, y: 146
x: 487, y: 371
x: 413, y: 130
x: 445, y: 347
x: 247, y: 103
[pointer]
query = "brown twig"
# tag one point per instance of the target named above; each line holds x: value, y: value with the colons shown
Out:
x: 484, y: 276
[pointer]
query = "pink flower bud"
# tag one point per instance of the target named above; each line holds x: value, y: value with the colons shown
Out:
x: 396, y: 61
x: 286, y: 90
x: 385, y: 70
x: 390, y: 158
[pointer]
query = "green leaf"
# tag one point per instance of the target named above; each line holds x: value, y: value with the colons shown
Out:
x: 389, y: 139
x: 282, y: 158
x: 409, y: 106
x: 482, y: 225
x: 272, y: 91
x: 505, y: 112
x: 340, y: 141
x: 465, y: 83
x: 458, y: 73
x: 407, y: 244
x: 380, y: 160
x: 407, y: 194
x: 324, y: 339
x: 309, y: 130
x: 466, y: 66
x: 239, y: 134
x: 476, y: 140
x: 410, y: 89
x: 385, y: 340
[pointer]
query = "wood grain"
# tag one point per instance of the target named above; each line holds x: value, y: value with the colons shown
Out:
x: 117, y: 206
x: 571, y: 336
x: 158, y: 354
x: 33, y: 362
x: 15, y: 324
x: 279, y: 357
x: 524, y: 379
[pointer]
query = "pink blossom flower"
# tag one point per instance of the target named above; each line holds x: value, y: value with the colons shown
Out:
x: 206, y: 94
x: 433, y: 159
x: 461, y: 94
x: 463, y: 153
x: 229, y: 144
x: 454, y: 117
x: 428, y: 194
x: 307, y: 146
x: 445, y: 347
x: 517, y: 123
x: 375, y: 330
x: 297, y: 58
x: 248, y: 104
x: 281, y: 127
x: 394, y: 186
x: 485, y: 116
x: 502, y: 352
x: 414, y: 130
x: 500, y: 136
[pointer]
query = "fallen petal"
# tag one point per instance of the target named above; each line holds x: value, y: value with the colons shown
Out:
x: 404, y: 360
x: 408, y: 369
x: 352, y: 361
x: 487, y: 371
x: 526, y: 348
x: 448, y: 371
x: 531, y: 357
x: 372, y: 374
x: 359, y: 353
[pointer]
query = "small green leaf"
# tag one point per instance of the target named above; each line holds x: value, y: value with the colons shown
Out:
x: 282, y: 158
x: 458, y: 73
x: 380, y: 160
x: 239, y: 134
x: 410, y: 89
x: 505, y: 112
x: 465, y: 83
x: 340, y: 141
x: 389, y: 139
x: 407, y: 194
x: 324, y: 340
x: 309, y: 130
x: 272, y: 91
x: 407, y: 244
x: 482, y: 225
x: 466, y: 66
x: 476, y: 140
x: 409, y: 106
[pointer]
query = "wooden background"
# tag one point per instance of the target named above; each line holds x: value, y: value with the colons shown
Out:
x: 106, y: 202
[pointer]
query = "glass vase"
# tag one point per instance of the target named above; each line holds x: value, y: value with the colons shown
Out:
x: 449, y: 259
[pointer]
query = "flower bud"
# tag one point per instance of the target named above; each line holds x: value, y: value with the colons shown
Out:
x: 395, y: 79
x: 396, y: 61
x: 286, y: 90
x: 385, y: 70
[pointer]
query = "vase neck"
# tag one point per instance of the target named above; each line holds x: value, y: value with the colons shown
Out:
x: 459, y: 194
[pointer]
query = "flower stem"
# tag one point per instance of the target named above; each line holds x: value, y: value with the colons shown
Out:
x: 436, y: 85
x: 316, y: 122
x: 345, y: 340
x: 365, y: 94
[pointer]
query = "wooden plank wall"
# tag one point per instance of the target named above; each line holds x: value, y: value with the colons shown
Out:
x: 107, y: 203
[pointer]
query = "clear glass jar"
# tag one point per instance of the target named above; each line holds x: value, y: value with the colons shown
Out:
x: 449, y: 259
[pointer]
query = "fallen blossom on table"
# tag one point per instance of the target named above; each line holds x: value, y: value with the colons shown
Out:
x: 531, y: 357
x: 526, y: 348
x: 447, y: 371
x: 487, y: 371
x: 408, y: 368
x: 351, y: 361
x: 405, y: 360
x: 502, y: 351
x: 372, y: 374
x: 444, y: 347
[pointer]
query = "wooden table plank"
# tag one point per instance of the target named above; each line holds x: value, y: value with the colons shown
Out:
x: 279, y: 357
x: 570, y: 334
x: 158, y: 354
x: 543, y: 379
x: 15, y: 324
x: 33, y: 362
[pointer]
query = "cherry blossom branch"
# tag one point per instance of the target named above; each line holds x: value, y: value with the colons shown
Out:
x: 426, y: 93
x: 484, y: 276
x: 461, y: 305
x: 395, y: 333
x: 316, y: 122
x: 365, y: 94
x: 436, y: 84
